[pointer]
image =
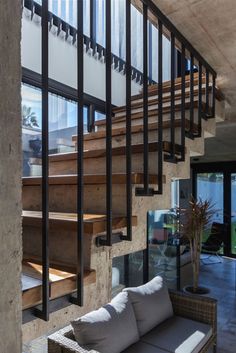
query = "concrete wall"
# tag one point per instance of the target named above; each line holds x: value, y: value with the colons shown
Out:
x: 10, y: 177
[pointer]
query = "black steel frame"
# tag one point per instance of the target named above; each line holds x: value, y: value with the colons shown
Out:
x: 43, y: 311
x: 128, y: 124
x: 108, y: 240
x: 79, y: 298
x: 35, y: 79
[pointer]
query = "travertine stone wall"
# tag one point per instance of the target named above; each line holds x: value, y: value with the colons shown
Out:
x: 10, y: 177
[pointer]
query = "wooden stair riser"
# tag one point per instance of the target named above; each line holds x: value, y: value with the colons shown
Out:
x: 97, y: 165
x: 137, y: 137
x: 62, y: 245
x: 63, y: 197
x: 137, y: 119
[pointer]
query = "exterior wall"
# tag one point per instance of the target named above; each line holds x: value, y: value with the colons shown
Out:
x: 10, y: 177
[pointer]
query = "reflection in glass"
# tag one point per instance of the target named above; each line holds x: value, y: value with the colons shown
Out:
x: 162, y: 246
x: 62, y: 126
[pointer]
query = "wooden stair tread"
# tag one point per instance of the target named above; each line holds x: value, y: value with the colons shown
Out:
x: 154, y: 101
x: 116, y: 151
x: 61, y: 282
x: 134, y: 129
x: 93, y: 223
x: 117, y: 178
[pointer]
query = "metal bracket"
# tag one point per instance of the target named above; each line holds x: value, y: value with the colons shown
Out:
x: 116, y: 238
x: 143, y: 192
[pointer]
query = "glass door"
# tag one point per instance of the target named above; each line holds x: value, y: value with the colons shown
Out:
x: 210, y: 186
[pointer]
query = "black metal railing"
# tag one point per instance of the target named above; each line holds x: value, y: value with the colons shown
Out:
x: 90, y: 43
x: 177, y: 132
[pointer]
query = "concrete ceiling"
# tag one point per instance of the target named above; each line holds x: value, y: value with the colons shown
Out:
x: 210, y: 26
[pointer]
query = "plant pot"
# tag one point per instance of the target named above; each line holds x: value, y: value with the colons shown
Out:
x: 200, y: 290
x: 36, y: 146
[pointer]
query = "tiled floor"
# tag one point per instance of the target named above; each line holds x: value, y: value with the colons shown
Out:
x: 221, y: 280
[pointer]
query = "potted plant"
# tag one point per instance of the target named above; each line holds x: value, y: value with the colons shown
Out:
x: 193, y: 221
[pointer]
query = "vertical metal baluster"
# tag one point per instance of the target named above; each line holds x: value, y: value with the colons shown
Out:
x: 200, y: 99
x: 160, y: 108
x: 213, y: 96
x: 191, y: 129
x: 80, y: 148
x: 145, y: 101
x: 108, y: 123
x: 93, y: 23
x: 108, y: 58
x: 207, y: 93
x: 183, y: 88
x: 44, y: 314
x: 128, y: 123
x: 172, y: 102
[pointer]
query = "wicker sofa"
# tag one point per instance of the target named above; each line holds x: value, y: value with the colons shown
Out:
x: 200, y: 309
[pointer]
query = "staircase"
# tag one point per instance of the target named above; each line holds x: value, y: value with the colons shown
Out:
x: 63, y: 191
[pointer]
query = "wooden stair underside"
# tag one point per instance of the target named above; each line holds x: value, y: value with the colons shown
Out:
x: 93, y: 223
x: 116, y: 151
x: 136, y: 178
x: 61, y: 281
x: 121, y: 131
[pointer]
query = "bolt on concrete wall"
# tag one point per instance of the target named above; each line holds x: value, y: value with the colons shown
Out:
x: 10, y: 177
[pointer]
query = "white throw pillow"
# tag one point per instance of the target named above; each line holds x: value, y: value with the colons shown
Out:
x: 110, y: 329
x: 151, y: 303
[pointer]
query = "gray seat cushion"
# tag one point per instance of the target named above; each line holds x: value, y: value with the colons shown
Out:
x: 151, y: 303
x: 141, y: 347
x: 179, y: 335
x: 110, y: 329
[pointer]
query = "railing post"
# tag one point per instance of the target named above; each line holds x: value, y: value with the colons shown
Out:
x: 145, y: 101
x: 128, y: 124
x: 207, y: 94
x: 191, y: 129
x: 213, y: 95
x: 93, y: 23
x: 200, y: 99
x: 145, y: 191
x: 80, y: 148
x: 160, y: 107
x: 44, y: 313
x: 183, y: 88
x: 108, y: 58
x: 172, y: 156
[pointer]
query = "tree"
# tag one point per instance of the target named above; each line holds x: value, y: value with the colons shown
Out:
x: 29, y: 118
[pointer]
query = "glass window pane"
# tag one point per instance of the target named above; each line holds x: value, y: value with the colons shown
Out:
x: 210, y: 187
x: 62, y: 126
x: 31, y: 130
